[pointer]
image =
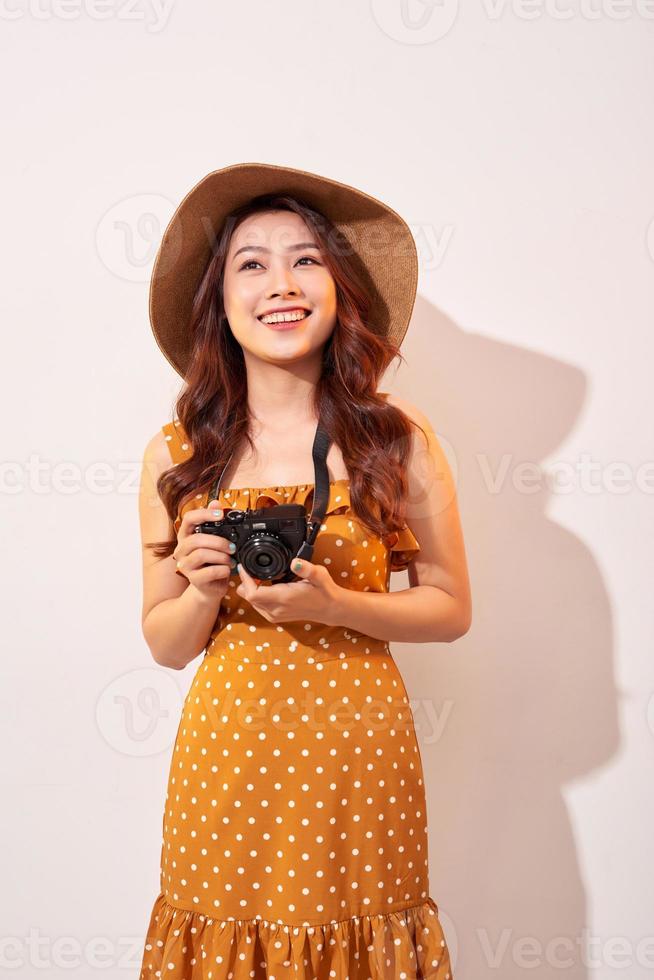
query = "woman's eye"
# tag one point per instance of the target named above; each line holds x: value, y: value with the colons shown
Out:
x: 301, y: 259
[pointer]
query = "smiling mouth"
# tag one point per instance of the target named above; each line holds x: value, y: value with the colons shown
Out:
x: 284, y: 319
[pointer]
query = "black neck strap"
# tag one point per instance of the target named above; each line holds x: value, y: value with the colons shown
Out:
x: 321, y: 444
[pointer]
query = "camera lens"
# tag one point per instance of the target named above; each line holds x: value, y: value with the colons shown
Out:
x: 265, y: 556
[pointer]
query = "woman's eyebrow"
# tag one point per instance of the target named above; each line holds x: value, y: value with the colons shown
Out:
x: 263, y: 248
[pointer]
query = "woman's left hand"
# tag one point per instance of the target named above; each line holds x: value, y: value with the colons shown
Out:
x: 313, y: 598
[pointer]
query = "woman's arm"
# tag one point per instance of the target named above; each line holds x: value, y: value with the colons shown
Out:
x: 177, y: 618
x: 420, y: 614
x: 438, y: 605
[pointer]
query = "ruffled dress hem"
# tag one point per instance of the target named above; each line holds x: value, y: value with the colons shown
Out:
x: 406, y: 944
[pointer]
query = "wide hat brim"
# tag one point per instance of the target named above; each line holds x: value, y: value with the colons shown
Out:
x: 380, y: 245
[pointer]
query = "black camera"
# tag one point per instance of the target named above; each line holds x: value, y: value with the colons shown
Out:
x: 267, y: 539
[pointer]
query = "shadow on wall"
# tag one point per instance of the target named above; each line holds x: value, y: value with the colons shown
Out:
x: 526, y: 701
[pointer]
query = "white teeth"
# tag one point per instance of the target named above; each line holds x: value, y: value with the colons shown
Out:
x: 283, y: 317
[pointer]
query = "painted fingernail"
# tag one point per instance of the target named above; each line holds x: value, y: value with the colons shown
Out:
x: 297, y: 565
x: 232, y: 547
x: 217, y: 513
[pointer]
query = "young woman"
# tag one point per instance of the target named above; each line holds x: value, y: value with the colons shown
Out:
x: 295, y: 828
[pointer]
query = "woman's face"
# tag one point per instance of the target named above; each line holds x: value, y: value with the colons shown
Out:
x: 274, y: 262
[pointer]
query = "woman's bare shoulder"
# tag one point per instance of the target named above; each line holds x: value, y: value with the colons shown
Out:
x: 408, y: 408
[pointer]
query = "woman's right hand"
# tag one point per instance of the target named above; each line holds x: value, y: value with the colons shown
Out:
x: 204, y: 559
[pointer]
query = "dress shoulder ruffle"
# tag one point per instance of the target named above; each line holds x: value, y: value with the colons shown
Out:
x: 403, y: 546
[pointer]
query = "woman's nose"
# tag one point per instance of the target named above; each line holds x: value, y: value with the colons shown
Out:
x: 282, y: 280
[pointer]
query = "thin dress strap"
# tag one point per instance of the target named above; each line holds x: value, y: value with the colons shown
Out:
x: 176, y: 441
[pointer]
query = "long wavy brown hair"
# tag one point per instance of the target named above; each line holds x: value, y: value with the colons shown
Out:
x: 374, y: 437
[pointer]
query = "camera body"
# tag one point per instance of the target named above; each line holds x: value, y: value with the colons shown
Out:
x: 267, y: 539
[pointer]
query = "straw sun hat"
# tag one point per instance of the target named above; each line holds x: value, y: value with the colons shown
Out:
x: 379, y: 243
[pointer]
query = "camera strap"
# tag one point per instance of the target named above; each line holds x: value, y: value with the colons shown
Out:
x: 321, y: 444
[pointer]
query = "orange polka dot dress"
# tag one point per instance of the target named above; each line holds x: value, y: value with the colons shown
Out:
x: 295, y: 828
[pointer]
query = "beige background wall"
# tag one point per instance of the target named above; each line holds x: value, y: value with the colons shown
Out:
x: 516, y: 140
